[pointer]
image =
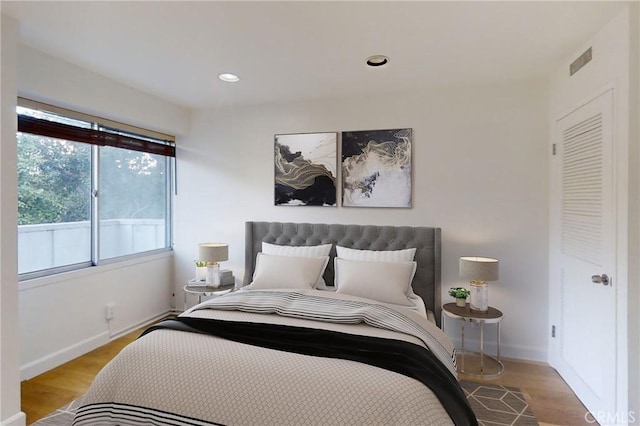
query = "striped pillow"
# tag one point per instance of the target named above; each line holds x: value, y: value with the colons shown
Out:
x: 300, y: 251
x: 394, y: 256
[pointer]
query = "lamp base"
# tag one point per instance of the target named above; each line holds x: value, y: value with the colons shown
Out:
x: 201, y: 273
x: 213, y: 275
x: 479, y: 297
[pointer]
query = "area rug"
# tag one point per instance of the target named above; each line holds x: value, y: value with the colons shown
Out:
x: 498, y: 405
x: 493, y: 405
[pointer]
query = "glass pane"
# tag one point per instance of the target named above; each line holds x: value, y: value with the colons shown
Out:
x: 132, y: 202
x: 54, y: 203
x: 52, y: 117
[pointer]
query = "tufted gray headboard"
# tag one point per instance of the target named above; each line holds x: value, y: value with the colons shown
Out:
x: 426, y: 282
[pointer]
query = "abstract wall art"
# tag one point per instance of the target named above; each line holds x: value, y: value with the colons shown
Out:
x: 305, y: 169
x: 376, y: 168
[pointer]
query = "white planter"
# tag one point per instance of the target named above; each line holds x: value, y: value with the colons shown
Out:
x: 460, y: 302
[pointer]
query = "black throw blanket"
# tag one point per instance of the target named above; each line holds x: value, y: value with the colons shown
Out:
x: 401, y: 357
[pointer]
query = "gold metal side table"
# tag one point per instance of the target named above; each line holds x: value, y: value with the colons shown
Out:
x: 476, y: 363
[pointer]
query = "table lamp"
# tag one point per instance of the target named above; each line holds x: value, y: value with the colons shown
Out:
x: 212, y: 253
x: 479, y: 270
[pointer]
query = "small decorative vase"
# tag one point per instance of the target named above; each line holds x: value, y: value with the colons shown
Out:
x: 461, y: 302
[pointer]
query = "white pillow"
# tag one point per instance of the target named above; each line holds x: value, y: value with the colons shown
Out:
x: 300, y: 251
x: 287, y: 271
x: 405, y: 255
x: 387, y: 282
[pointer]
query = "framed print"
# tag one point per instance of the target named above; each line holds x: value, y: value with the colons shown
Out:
x: 305, y: 169
x: 376, y: 168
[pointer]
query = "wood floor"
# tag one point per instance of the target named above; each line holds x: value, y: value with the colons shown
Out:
x: 49, y: 391
x: 551, y: 400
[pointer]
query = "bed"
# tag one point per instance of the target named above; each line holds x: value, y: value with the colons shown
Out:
x: 293, y: 348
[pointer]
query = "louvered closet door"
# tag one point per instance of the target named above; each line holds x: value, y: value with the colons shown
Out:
x: 586, y: 246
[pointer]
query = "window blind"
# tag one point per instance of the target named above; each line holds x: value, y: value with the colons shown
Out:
x: 103, y: 136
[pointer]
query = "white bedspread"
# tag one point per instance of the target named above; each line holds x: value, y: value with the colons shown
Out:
x: 169, y: 377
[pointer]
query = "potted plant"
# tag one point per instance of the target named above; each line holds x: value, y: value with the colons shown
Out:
x: 460, y: 293
x: 201, y: 270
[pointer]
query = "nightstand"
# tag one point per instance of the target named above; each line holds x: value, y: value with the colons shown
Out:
x: 476, y: 363
x: 204, y: 291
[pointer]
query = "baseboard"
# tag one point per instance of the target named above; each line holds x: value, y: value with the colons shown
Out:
x: 58, y: 358
x: 19, y: 419
x: 527, y: 361
x: 146, y: 322
x: 55, y: 359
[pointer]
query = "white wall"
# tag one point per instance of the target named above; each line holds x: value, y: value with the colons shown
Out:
x: 480, y: 173
x: 62, y: 317
x: 44, y: 78
x: 10, y: 414
x: 611, y: 65
x: 634, y: 209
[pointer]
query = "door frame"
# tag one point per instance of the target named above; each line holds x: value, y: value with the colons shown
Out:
x: 620, y: 273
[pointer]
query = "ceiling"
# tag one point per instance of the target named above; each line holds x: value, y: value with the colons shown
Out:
x: 293, y: 51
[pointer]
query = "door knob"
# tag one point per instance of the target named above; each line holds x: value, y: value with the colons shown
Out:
x: 600, y: 279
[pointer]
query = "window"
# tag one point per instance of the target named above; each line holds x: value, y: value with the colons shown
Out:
x: 89, y: 190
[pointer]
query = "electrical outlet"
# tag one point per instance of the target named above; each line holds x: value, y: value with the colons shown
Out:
x: 109, y: 311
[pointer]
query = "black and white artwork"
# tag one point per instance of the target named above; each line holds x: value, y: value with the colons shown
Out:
x: 305, y: 169
x: 376, y: 168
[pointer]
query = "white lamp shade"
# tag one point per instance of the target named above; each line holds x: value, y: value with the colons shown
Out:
x: 478, y: 268
x: 213, y: 252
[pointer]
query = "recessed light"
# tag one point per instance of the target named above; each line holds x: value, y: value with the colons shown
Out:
x: 228, y: 77
x: 377, y: 60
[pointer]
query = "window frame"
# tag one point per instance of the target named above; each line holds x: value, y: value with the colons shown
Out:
x: 103, y: 132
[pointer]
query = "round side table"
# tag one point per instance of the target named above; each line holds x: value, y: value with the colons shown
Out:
x: 476, y: 363
x: 204, y: 290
